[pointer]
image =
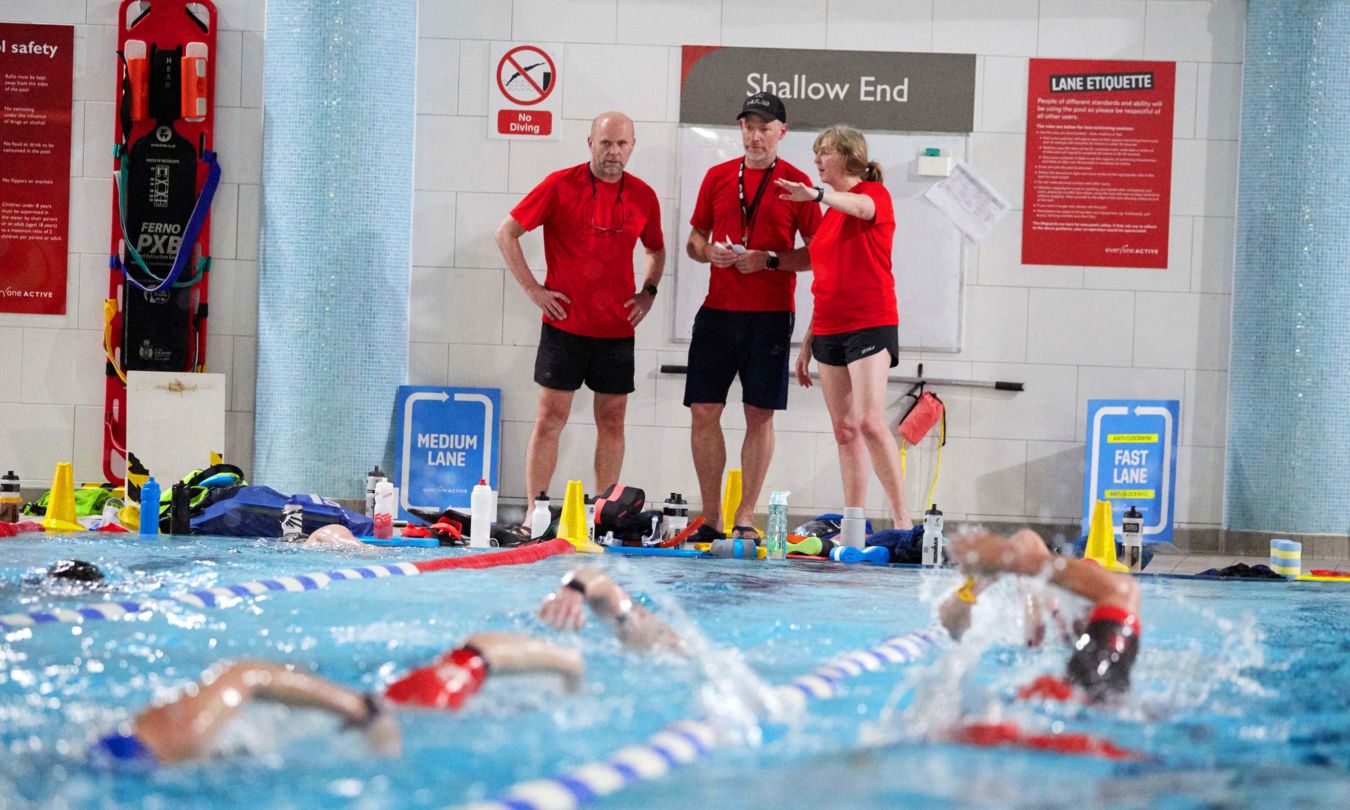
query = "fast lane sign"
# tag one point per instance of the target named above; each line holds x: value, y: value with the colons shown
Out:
x: 1132, y: 461
x: 523, y: 98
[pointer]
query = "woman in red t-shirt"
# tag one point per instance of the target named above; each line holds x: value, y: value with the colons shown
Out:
x: 853, y: 330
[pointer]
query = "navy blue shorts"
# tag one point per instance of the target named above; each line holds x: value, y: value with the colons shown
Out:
x: 753, y: 345
x: 846, y: 347
x: 565, y: 361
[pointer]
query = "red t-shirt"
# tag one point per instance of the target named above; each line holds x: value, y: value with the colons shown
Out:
x: 851, y: 258
x: 589, y: 235
x: 775, y: 227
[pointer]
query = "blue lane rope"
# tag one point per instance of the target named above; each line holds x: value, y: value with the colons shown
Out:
x: 686, y: 741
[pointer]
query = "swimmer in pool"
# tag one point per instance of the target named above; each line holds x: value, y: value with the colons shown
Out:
x: 182, y: 729
x: 635, y: 626
x: 1104, y: 650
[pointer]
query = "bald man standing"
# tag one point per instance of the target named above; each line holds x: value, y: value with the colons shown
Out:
x: 593, y: 215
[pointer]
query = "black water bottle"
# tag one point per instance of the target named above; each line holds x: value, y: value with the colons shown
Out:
x: 180, y: 510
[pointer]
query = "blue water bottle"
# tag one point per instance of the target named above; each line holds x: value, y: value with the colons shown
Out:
x: 150, y: 507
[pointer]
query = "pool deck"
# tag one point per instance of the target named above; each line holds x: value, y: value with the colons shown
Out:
x: 1183, y: 563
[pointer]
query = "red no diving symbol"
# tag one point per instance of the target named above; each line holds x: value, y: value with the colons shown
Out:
x: 526, y: 75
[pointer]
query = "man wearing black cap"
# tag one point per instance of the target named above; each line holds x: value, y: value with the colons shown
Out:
x: 744, y: 328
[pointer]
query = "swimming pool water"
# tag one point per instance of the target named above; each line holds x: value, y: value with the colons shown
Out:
x: 1242, y: 690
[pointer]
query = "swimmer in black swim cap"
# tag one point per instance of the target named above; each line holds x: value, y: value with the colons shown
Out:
x: 75, y: 571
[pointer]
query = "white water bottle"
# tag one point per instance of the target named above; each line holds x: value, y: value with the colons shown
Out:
x: 373, y: 478
x: 480, y: 515
x: 853, y: 528
x: 931, y: 551
x: 776, y: 539
x: 293, y: 521
x: 386, y: 500
x: 540, y: 517
x: 675, y: 515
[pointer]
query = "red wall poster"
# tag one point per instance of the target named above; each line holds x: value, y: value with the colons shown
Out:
x: 36, y: 70
x: 1099, y: 163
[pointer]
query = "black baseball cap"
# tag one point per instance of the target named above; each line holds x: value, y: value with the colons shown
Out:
x: 766, y: 106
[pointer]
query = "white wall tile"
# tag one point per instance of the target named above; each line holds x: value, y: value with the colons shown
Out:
x: 532, y: 161
x: 474, y: 73
x: 55, y: 12
x: 1218, y: 101
x: 220, y: 359
x: 1176, y: 277
x: 1105, y: 382
x: 455, y: 306
x: 670, y: 22
x: 225, y: 221
x: 1184, y: 100
x: 1200, y: 483
x: 983, y: 476
x: 102, y: 12
x: 454, y: 154
x: 87, y: 450
x: 93, y: 291
x: 673, y: 79
x: 242, y: 15
x: 795, y: 24
x: 1001, y: 158
x: 77, y: 139
x: 654, y: 159
x: 244, y: 374
x: 35, y: 438
x: 238, y: 140
x: 229, y: 67
x: 11, y: 363
x: 1182, y: 331
x: 995, y: 324
x: 90, y: 213
x: 989, y: 27
x: 1000, y: 261
x: 428, y: 364
x: 476, y: 219
x: 433, y: 231
x: 510, y: 368
x: 63, y: 366
x: 96, y: 67
x: 464, y: 19
x: 880, y: 25
x: 246, y: 233
x: 1204, y: 409
x: 564, y: 20
x: 602, y: 77
x: 96, y: 139
x: 520, y: 317
x: 1081, y: 327
x: 1103, y: 29
x: 1054, y: 482
x: 252, y: 52
x: 233, y: 297
x: 239, y: 440
x: 1004, y: 100
x: 1044, y: 410
x: 437, y: 76
x: 1195, y: 30
x: 1212, y: 255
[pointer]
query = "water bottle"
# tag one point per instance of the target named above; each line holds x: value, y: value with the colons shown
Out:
x: 540, y: 517
x: 10, y: 499
x: 480, y: 515
x: 293, y: 520
x: 373, y: 478
x: 1132, y: 538
x: 931, y: 551
x: 853, y: 528
x: 149, y: 517
x: 776, y: 539
x: 675, y: 515
x: 385, y: 501
x: 180, y: 509
x: 590, y: 517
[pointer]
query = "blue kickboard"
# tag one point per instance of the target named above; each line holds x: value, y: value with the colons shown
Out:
x: 640, y: 551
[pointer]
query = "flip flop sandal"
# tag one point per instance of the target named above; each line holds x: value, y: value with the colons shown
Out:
x: 705, y: 534
x: 747, y: 533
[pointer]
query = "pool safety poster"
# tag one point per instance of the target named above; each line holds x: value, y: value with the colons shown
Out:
x: 1098, y: 178
x: 36, y: 74
x: 1132, y: 461
x: 523, y: 99
x: 449, y: 439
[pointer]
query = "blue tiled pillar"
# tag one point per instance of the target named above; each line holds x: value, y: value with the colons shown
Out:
x: 1289, y: 379
x: 336, y: 233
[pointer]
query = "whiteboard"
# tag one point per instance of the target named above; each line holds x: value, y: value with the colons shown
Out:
x: 927, y: 257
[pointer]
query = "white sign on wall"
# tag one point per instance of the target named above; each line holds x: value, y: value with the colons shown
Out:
x: 523, y: 98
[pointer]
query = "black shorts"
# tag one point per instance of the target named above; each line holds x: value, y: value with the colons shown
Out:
x: 754, y: 345
x: 565, y: 361
x: 846, y: 347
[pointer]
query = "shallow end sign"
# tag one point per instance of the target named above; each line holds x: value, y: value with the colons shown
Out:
x: 449, y: 438
x: 1132, y: 461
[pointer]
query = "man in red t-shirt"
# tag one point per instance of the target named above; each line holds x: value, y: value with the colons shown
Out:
x: 744, y: 328
x: 593, y: 215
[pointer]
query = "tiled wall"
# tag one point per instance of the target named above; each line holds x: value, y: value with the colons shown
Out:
x: 1069, y: 333
x: 51, y: 367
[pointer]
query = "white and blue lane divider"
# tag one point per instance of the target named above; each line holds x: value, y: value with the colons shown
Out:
x: 686, y: 741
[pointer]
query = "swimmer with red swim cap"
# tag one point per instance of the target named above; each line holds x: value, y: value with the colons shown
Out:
x: 182, y: 729
x: 1104, y: 651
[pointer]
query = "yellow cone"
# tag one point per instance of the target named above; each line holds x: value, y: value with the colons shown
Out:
x: 572, y: 522
x: 731, y: 501
x: 61, y: 502
x: 1101, y: 544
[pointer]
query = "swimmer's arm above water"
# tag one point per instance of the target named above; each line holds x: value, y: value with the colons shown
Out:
x: 510, y: 652
x: 1025, y: 554
x: 633, y: 625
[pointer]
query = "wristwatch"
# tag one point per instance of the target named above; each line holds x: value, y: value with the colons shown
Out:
x: 772, y: 261
x: 820, y: 194
x: 649, y: 289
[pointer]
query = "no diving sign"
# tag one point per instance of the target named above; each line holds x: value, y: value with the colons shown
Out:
x: 523, y: 98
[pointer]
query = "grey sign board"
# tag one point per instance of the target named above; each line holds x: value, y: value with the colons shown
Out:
x: 872, y: 90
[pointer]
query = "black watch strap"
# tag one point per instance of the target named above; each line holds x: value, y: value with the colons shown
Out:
x: 820, y: 194
x: 771, y: 262
x: 649, y: 289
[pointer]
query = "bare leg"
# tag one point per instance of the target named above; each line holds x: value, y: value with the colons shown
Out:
x: 710, y: 457
x: 609, y: 442
x: 756, y: 454
x: 183, y: 729
x: 868, y: 376
x: 541, y: 454
x: 837, y: 387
